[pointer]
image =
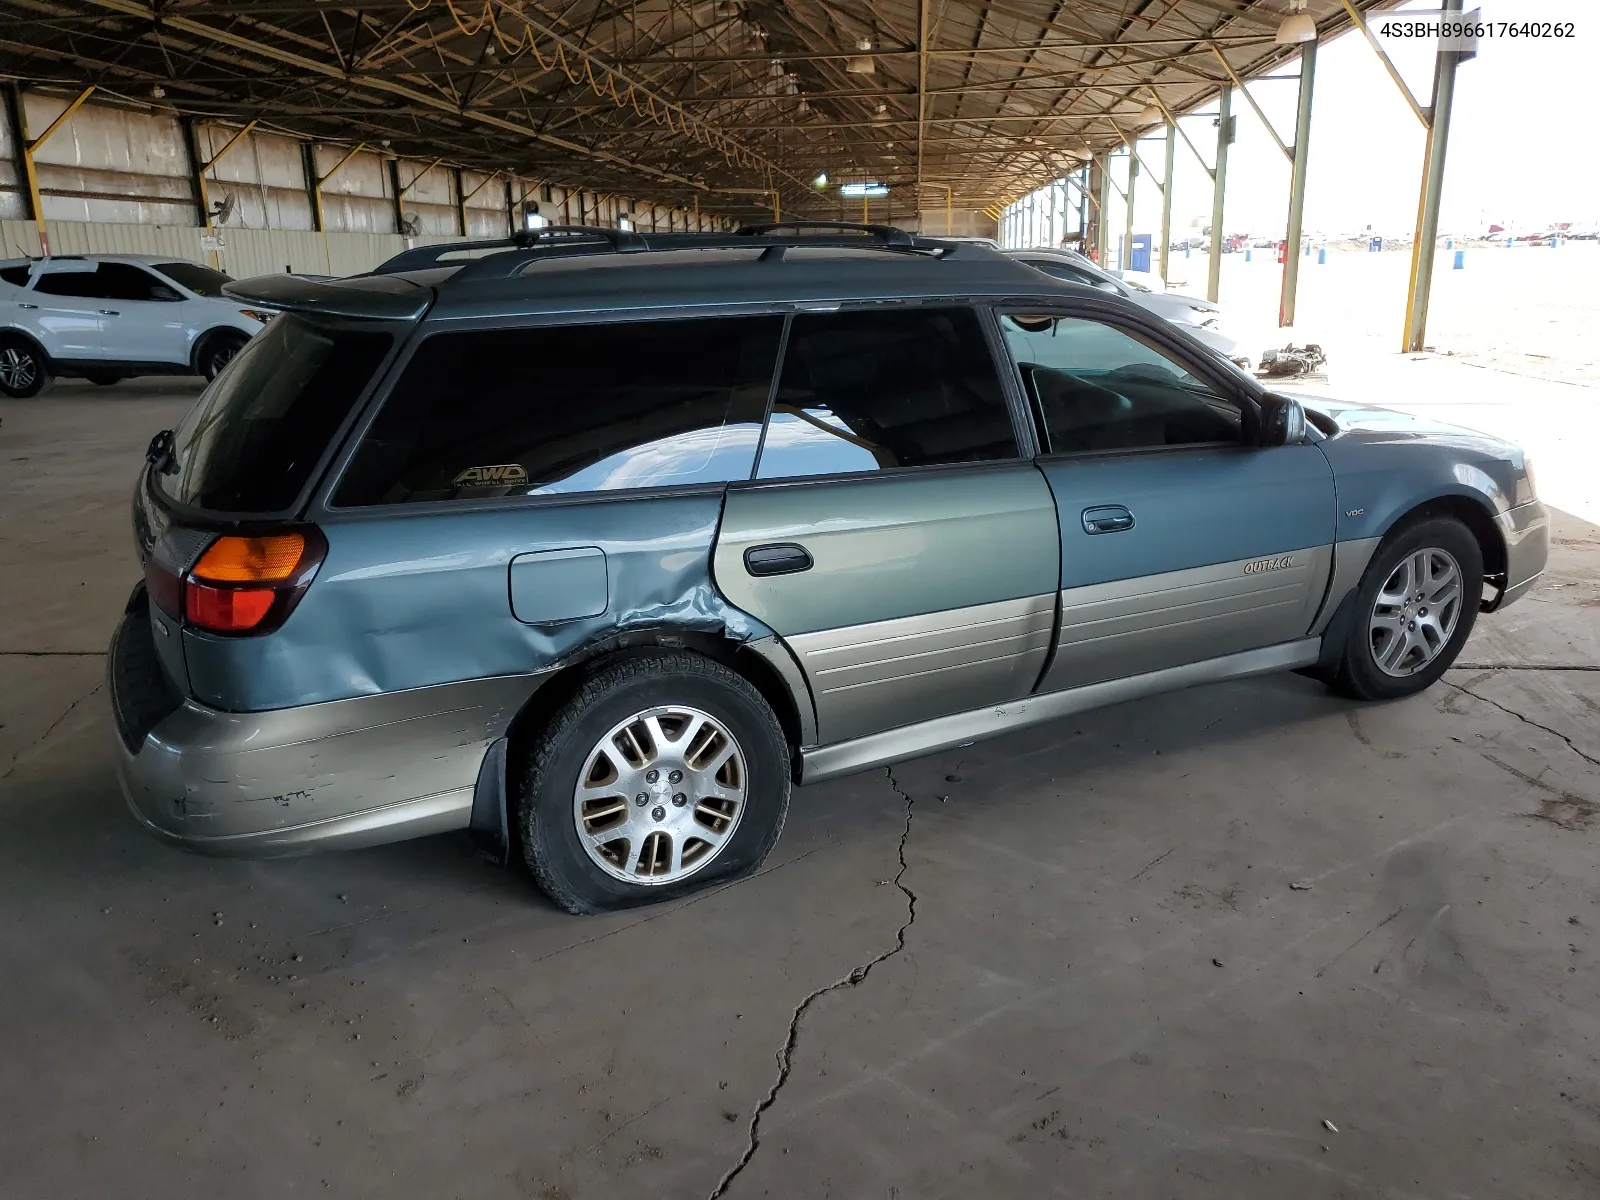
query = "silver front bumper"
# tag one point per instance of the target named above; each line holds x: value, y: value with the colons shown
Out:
x: 1526, y: 530
x: 347, y: 773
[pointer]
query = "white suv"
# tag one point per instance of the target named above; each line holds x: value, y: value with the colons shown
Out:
x: 107, y: 316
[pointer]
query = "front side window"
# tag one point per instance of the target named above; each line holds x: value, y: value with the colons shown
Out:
x: 1096, y: 387
x: 561, y: 409
x: 870, y: 391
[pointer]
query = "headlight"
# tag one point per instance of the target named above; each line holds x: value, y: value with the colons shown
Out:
x: 258, y: 314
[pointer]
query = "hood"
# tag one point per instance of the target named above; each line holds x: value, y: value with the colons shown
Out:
x: 1386, y: 424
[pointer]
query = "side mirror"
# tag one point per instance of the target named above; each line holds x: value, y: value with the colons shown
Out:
x: 1283, y: 422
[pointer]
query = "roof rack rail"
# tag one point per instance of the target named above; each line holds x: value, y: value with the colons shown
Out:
x: 419, y: 258
x: 889, y: 235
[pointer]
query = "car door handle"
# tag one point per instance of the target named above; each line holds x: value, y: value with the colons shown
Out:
x: 777, y: 558
x: 1107, y: 518
x: 109, y: 312
x: 27, y: 306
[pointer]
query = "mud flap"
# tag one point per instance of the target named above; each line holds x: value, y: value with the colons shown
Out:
x: 490, y: 824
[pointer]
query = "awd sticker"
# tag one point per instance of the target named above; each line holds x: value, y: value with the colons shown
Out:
x: 503, y: 475
x: 1268, y: 564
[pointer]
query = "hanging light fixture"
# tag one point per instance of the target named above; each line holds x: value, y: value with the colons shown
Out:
x: 862, y: 64
x: 1151, y: 116
x: 1297, y: 26
x: 881, y: 115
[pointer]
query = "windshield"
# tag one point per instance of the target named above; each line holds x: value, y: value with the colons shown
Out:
x: 253, y: 438
x: 202, y: 281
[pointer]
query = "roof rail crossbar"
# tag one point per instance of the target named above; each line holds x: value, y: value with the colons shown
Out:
x: 888, y: 235
x: 422, y: 257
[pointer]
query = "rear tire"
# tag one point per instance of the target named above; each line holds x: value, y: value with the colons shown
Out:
x: 701, y: 747
x: 24, y: 370
x: 1414, y: 609
x: 218, y: 351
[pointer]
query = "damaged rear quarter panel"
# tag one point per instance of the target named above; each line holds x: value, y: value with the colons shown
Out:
x: 410, y: 598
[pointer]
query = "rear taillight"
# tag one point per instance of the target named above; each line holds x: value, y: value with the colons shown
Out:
x: 245, y: 585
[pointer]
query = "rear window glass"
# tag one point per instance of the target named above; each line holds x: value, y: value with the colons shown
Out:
x: 870, y: 391
x: 253, y: 438
x: 559, y: 409
x: 17, y: 276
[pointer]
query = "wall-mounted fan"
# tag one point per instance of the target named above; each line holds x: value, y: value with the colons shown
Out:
x: 410, y: 224
x: 223, y: 209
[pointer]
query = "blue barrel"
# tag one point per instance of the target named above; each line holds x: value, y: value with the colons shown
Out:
x: 1510, y: 242
x: 1322, y: 255
x: 1186, y: 251
x: 1449, y: 243
x: 1308, y: 249
x: 1374, y: 245
x: 1248, y: 254
x: 1460, y: 261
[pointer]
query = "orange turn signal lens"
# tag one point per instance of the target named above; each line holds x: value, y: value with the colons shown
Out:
x: 270, y: 559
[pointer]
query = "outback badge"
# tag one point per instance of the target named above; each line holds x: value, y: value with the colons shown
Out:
x: 1268, y: 564
x: 502, y: 475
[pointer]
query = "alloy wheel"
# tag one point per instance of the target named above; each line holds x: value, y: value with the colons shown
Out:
x: 1415, y: 612
x: 660, y: 795
x: 18, y: 369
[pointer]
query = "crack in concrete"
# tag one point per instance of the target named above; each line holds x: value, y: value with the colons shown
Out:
x: 1571, y: 745
x: 21, y: 755
x: 857, y: 975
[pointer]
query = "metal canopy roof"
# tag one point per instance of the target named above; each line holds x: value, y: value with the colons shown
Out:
x: 677, y: 100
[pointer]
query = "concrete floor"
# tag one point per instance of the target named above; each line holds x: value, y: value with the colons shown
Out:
x: 1069, y: 962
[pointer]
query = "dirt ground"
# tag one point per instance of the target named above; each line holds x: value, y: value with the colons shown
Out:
x: 1248, y: 940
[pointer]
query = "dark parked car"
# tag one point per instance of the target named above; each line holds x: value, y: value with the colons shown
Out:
x: 597, y: 542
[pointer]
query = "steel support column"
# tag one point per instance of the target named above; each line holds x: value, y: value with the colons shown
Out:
x: 1219, y: 188
x: 1125, y: 255
x: 1102, y: 188
x: 28, y: 147
x: 308, y: 167
x: 1166, y: 197
x: 1444, y: 86
x: 1297, y: 186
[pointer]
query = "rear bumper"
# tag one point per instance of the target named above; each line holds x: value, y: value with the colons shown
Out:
x: 342, y: 774
x: 1526, y: 530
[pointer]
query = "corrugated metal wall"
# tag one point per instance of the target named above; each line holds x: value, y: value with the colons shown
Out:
x: 117, y: 179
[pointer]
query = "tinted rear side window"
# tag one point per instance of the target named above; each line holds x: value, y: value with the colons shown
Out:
x: 253, y: 438
x: 867, y: 391
x: 558, y: 409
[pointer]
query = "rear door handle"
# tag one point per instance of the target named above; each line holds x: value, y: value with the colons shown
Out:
x: 27, y: 306
x: 1107, y: 518
x: 109, y: 312
x: 777, y: 558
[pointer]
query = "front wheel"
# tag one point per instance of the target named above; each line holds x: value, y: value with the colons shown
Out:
x: 23, y: 370
x: 1415, y: 606
x: 218, y: 352
x: 665, y: 773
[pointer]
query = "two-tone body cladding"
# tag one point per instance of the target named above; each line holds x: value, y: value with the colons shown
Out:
x: 595, y: 542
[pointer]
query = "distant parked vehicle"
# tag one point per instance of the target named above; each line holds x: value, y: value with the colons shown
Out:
x: 1200, y: 318
x: 105, y: 317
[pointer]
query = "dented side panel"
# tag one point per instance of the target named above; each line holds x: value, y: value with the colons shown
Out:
x: 420, y: 598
